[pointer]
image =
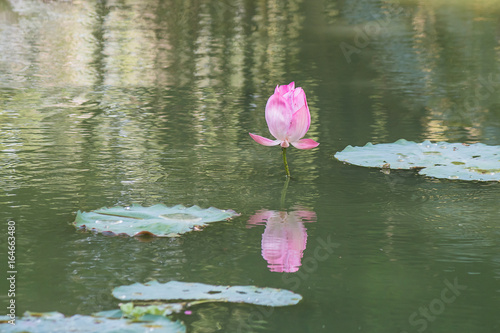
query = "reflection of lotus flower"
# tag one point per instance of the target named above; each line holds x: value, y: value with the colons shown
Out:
x: 285, y: 237
x: 288, y: 118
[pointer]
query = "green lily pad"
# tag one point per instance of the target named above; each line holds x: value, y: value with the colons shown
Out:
x: 175, y: 290
x: 53, y: 322
x: 477, y: 161
x: 158, y: 220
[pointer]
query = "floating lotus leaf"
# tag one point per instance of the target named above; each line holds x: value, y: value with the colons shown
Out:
x: 477, y: 161
x: 158, y: 220
x: 54, y: 322
x: 175, y: 290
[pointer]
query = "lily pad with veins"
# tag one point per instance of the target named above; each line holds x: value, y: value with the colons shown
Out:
x: 478, y: 161
x: 176, y: 290
x: 158, y: 220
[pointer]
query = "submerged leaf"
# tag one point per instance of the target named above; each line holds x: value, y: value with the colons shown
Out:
x: 175, y: 290
x: 477, y: 161
x: 158, y: 220
x: 52, y: 322
x: 131, y: 310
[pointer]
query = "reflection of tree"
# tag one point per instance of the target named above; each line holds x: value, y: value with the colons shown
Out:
x: 438, y: 59
x: 221, y: 317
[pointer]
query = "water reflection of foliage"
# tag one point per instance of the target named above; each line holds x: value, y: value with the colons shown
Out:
x: 439, y: 60
x: 210, y: 318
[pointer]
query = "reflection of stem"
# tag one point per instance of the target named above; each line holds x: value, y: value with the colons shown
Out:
x: 283, y: 193
x: 285, y: 162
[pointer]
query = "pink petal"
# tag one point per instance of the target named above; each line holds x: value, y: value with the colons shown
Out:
x: 281, y: 90
x: 305, y: 144
x: 260, y: 217
x: 284, y: 242
x: 264, y: 141
x: 278, y: 116
x: 298, y: 99
x: 301, y: 120
x: 306, y: 216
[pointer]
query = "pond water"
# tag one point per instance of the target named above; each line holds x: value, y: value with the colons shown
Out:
x: 107, y: 103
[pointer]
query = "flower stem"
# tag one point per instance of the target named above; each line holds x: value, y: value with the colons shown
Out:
x: 285, y: 162
x: 283, y: 193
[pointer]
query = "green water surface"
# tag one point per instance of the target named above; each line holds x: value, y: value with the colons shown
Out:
x: 107, y: 103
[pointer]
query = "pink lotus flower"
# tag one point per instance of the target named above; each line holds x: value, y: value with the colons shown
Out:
x: 288, y: 119
x: 285, y: 238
